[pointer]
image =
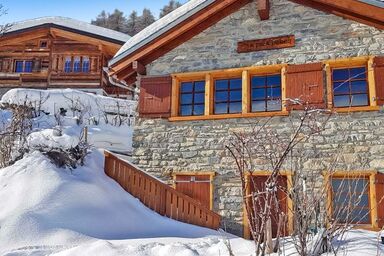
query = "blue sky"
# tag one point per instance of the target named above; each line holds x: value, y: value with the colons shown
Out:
x: 85, y: 10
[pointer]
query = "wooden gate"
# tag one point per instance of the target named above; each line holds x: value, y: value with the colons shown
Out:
x: 257, y: 183
x: 196, y: 186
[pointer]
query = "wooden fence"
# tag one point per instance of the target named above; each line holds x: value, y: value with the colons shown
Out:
x: 158, y: 196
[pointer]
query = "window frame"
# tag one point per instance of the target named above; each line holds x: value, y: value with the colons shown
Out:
x: 265, y: 99
x: 228, y: 90
x: 210, y: 76
x: 347, y: 63
x: 371, y: 177
x: 75, y: 70
x: 23, y: 66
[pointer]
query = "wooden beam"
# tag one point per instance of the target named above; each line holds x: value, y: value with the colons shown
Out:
x: 263, y: 7
x: 139, y: 68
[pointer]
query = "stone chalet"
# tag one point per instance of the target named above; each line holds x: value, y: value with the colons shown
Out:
x: 213, y: 66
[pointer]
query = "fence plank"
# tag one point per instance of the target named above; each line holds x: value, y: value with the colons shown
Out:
x: 158, y: 196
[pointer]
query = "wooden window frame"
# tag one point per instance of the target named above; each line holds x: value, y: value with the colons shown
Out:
x: 193, y: 92
x: 287, y: 174
x: 24, y: 61
x: 211, y: 186
x: 81, y: 63
x: 228, y: 90
x: 265, y: 99
x: 210, y: 76
x: 41, y: 41
x: 371, y: 176
x: 366, y: 61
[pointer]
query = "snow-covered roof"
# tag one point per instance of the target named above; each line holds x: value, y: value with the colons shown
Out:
x: 72, y: 24
x: 379, y: 3
x: 160, y: 26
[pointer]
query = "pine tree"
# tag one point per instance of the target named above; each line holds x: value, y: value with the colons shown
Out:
x: 101, y: 20
x: 172, y: 5
x: 117, y: 21
x: 132, y: 24
x: 145, y: 20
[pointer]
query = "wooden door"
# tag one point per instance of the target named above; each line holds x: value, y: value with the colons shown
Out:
x: 257, y: 183
x: 195, y: 186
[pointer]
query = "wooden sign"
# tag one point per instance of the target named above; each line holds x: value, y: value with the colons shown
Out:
x: 266, y: 44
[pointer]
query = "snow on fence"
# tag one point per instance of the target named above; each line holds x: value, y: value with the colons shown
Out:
x: 158, y: 196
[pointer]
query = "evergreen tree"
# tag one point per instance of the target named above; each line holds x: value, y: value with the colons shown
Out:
x: 172, y: 5
x: 132, y: 24
x: 101, y: 20
x: 117, y: 21
x: 145, y: 19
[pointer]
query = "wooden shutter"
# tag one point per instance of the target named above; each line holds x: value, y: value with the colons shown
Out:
x: 380, y: 199
x: 379, y: 79
x: 306, y: 83
x: 7, y: 65
x: 155, y: 96
x: 195, y: 186
x: 36, y: 65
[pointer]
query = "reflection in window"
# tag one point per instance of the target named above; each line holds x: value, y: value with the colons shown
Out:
x: 351, y: 200
x: 228, y: 96
x: 23, y: 66
x: 85, y: 64
x: 77, y: 64
x: 68, y: 64
x: 350, y: 87
x: 266, y: 93
x: 192, y: 98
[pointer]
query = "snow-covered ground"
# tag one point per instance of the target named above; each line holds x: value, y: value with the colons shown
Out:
x: 46, y: 210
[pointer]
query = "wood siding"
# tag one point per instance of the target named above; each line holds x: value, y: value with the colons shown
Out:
x: 195, y: 186
x: 158, y: 196
x: 379, y: 79
x: 306, y: 83
x: 155, y: 97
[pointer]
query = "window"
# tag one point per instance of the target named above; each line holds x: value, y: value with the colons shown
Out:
x: 192, y: 98
x: 43, y: 44
x: 266, y: 93
x: 350, y: 87
x: 85, y: 64
x: 228, y: 96
x: 76, y: 64
x: 68, y: 64
x: 23, y: 66
x: 350, y: 200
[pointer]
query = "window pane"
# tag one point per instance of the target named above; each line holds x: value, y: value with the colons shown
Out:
x: 258, y: 106
x: 341, y: 101
x: 235, y: 107
x: 358, y: 73
x: 341, y: 88
x: 235, y: 83
x: 198, y: 110
x: 76, y: 64
x: 221, y: 96
x: 340, y: 74
x: 85, y: 66
x: 221, y: 84
x: 28, y: 66
x: 186, y: 110
x: 273, y: 105
x: 220, y: 108
x: 258, y: 94
x: 186, y: 87
x: 199, y: 98
x: 235, y: 95
x: 19, y: 66
x: 68, y: 65
x: 359, y: 100
x: 258, y: 81
x: 359, y: 86
x: 274, y: 92
x: 274, y: 80
x: 186, y: 99
x: 200, y: 86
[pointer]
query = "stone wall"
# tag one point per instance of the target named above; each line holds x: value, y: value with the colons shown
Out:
x: 162, y: 147
x: 319, y: 36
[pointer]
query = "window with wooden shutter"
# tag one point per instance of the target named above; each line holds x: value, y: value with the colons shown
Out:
x: 305, y: 84
x: 378, y: 66
x: 380, y: 199
x: 155, y: 96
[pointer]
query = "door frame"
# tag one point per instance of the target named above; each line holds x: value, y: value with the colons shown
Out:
x: 199, y: 173
x: 288, y: 174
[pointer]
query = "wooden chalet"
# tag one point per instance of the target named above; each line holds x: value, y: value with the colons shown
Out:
x: 215, y: 66
x: 57, y: 52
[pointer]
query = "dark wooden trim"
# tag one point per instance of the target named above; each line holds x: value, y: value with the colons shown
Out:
x: 263, y: 7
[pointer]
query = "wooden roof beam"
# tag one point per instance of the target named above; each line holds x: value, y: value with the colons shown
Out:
x: 263, y: 7
x: 139, y: 68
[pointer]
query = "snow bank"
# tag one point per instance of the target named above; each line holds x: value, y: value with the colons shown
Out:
x: 54, y: 210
